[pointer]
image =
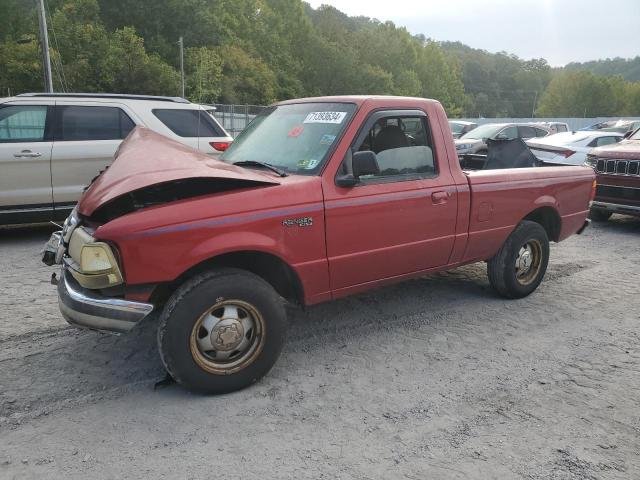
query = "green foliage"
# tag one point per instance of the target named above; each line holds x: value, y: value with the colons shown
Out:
x: 583, y: 94
x: 628, y: 68
x: 260, y: 51
x: 203, y: 71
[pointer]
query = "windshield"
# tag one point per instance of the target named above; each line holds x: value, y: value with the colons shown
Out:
x: 635, y: 136
x: 483, y: 131
x: 295, y: 138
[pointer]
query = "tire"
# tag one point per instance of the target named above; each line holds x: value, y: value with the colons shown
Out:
x: 598, y: 215
x: 208, y: 317
x: 505, y: 276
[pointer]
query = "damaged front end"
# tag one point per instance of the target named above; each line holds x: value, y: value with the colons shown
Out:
x: 87, y: 266
x: 149, y: 170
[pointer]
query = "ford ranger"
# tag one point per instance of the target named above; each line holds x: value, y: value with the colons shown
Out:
x: 316, y: 199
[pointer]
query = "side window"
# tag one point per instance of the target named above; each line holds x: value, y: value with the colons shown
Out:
x: 188, y: 122
x: 22, y: 123
x: 77, y: 123
x: 561, y: 128
x: 508, y: 133
x: 526, y: 132
x: 542, y: 133
x: 403, y: 147
x: 605, y: 141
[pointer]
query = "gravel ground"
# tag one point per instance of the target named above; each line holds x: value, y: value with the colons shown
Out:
x: 433, y: 378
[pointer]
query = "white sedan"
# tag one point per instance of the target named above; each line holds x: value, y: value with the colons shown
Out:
x: 570, y: 148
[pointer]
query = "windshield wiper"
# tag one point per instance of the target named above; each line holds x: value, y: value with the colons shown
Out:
x: 250, y: 163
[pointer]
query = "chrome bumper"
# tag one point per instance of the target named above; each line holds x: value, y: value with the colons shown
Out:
x: 616, y: 208
x: 86, y: 308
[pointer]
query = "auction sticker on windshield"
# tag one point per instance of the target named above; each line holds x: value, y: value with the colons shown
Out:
x: 325, y: 117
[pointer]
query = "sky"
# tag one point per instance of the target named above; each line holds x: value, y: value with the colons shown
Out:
x: 561, y: 31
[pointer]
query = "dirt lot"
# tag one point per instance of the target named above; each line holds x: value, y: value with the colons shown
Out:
x: 434, y: 378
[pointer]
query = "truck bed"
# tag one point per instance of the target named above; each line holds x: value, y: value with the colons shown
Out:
x: 498, y: 198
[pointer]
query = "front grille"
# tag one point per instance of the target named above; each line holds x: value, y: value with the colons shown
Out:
x: 618, y: 167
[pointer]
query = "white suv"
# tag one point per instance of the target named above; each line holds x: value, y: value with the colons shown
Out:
x: 52, y: 145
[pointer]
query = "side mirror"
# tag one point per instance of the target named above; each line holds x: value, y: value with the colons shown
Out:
x: 363, y: 163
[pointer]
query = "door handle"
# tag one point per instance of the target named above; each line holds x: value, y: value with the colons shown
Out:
x: 440, y: 197
x: 27, y: 154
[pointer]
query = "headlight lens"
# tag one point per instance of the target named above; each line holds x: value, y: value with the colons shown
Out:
x: 463, y: 146
x: 591, y: 161
x: 93, y: 264
x: 95, y: 258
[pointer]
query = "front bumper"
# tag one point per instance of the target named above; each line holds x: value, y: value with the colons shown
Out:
x: 616, y: 208
x: 85, y: 308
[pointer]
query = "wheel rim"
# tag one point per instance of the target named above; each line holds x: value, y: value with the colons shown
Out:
x: 227, y: 337
x: 528, y: 262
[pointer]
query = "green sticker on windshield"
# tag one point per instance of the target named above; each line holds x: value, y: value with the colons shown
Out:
x: 308, y: 164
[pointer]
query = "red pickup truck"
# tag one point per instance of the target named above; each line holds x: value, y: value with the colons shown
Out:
x: 316, y: 199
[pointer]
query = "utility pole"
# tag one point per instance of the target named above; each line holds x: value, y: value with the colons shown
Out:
x: 44, y: 40
x: 533, y: 109
x: 181, y: 43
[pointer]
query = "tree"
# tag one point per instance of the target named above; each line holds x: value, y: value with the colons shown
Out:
x: 203, y: 71
x: 135, y: 71
x: 577, y: 94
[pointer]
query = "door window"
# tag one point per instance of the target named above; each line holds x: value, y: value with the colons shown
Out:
x: 606, y: 141
x: 188, y: 123
x: 508, y: 133
x: 403, y: 148
x: 92, y: 123
x: 527, y: 132
x: 22, y: 123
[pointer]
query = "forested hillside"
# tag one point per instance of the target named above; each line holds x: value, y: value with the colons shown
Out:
x: 260, y: 51
x: 627, y: 68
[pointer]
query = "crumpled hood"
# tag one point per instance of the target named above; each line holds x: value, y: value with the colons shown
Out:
x: 147, y: 158
x: 627, y: 149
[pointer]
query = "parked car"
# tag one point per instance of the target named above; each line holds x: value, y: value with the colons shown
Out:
x: 52, y: 145
x: 317, y: 199
x: 623, y: 126
x: 460, y: 127
x: 554, y: 127
x: 617, y: 168
x: 570, y: 148
x: 476, y: 140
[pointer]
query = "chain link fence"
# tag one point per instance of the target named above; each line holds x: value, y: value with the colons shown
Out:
x: 234, y: 118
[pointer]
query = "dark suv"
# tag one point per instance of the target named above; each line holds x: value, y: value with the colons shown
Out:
x: 618, y: 176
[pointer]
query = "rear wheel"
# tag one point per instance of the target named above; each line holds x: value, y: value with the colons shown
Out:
x: 221, y: 331
x: 598, y: 215
x: 520, y: 264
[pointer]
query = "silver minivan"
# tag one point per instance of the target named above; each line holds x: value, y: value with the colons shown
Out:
x: 52, y: 145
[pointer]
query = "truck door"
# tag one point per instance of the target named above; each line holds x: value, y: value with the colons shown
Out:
x: 25, y: 155
x: 86, y: 137
x: 399, y: 221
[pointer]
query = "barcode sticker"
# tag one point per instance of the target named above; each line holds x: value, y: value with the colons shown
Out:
x: 325, y: 117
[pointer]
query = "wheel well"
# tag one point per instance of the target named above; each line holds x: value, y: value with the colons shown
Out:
x: 270, y: 268
x: 549, y: 219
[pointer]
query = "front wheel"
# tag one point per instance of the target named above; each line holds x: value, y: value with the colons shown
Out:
x: 221, y: 331
x: 520, y: 264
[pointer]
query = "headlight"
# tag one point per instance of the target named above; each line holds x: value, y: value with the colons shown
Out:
x: 92, y: 263
x: 591, y: 161
x: 95, y: 258
x: 463, y: 146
